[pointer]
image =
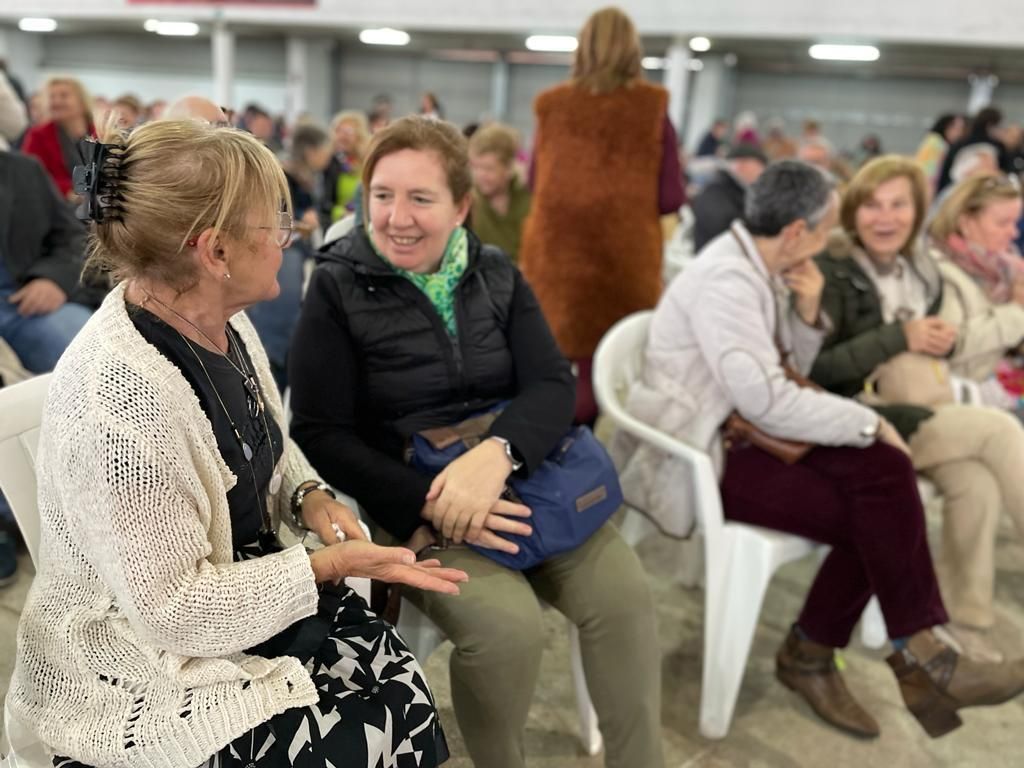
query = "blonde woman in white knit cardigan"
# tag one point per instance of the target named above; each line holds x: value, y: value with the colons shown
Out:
x: 167, y: 625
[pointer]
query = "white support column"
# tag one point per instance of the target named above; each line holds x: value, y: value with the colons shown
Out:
x: 224, y: 65
x: 714, y: 94
x: 296, y: 67
x: 499, y: 89
x: 24, y: 54
x: 981, y: 89
x: 677, y: 81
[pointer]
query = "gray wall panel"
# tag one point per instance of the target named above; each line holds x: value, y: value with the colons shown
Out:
x: 898, y: 110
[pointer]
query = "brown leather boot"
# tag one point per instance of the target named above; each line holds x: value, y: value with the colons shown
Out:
x: 810, y: 669
x: 936, y: 681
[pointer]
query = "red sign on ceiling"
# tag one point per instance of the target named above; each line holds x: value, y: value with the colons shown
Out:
x: 289, y: 3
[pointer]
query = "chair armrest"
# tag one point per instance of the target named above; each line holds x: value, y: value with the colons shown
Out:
x: 705, y: 480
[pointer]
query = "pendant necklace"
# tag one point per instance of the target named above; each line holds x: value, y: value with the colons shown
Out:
x: 247, y: 451
x: 254, y: 397
x: 247, y: 377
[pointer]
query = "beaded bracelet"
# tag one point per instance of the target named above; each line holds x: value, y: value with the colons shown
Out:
x: 300, y: 494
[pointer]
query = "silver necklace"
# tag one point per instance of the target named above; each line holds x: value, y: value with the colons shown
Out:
x: 247, y: 451
x: 247, y: 377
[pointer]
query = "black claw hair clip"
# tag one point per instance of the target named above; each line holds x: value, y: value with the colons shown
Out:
x: 97, y: 181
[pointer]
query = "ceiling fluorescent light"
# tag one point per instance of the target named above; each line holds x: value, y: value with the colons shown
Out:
x: 653, y: 62
x: 172, y: 28
x: 37, y: 24
x: 700, y: 44
x: 384, y: 36
x: 552, y: 43
x: 832, y: 52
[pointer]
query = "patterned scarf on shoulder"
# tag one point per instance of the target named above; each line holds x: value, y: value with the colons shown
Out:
x: 995, y: 273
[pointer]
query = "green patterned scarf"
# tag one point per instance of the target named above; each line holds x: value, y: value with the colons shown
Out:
x: 439, y: 286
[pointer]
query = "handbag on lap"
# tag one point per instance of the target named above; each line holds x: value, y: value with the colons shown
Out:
x: 912, y: 378
x: 571, y: 494
x: 738, y: 431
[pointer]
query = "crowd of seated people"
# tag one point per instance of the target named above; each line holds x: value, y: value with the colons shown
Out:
x: 822, y: 279
x: 735, y: 333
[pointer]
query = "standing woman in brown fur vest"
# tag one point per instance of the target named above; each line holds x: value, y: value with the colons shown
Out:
x: 605, y: 167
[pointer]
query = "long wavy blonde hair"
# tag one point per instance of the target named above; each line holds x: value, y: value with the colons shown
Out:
x: 609, y: 53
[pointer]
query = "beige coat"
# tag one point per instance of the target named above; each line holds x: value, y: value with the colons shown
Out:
x: 986, y: 330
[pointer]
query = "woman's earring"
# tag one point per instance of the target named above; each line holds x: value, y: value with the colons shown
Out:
x: 227, y: 275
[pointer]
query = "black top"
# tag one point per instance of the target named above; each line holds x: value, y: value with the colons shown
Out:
x: 372, y: 362
x: 716, y: 207
x: 248, y: 498
x: 302, y: 198
x: 1003, y: 157
x: 70, y: 148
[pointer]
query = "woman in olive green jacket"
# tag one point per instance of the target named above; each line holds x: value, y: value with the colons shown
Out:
x: 882, y: 295
x: 861, y: 339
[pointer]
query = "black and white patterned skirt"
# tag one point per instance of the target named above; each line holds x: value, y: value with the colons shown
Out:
x: 375, y: 709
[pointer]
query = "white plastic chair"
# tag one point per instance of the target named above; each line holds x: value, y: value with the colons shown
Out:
x: 340, y: 228
x: 21, y: 410
x: 11, y: 369
x: 739, y: 559
x: 423, y: 636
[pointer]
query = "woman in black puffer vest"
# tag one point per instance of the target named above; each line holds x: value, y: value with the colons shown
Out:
x: 411, y: 323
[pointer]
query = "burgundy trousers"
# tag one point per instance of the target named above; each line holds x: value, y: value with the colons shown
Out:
x: 586, y: 401
x: 864, y: 503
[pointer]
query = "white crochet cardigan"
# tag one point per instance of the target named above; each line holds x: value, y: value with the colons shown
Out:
x: 130, y: 643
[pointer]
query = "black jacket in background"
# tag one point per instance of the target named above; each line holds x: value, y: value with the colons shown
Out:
x: 39, y: 233
x: 716, y: 207
x: 1003, y: 157
x: 371, y: 363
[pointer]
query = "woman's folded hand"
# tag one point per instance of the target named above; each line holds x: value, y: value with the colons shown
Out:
x: 501, y: 519
x: 462, y: 496
x: 396, y: 565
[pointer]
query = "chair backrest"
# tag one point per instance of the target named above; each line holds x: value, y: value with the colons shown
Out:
x: 21, y: 411
x: 340, y: 228
x: 619, y: 358
x: 618, y: 363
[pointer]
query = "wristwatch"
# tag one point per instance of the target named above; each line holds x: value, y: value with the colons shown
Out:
x: 301, y: 492
x: 516, y: 464
x: 871, y: 432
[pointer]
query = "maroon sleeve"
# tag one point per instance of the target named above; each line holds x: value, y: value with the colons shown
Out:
x: 531, y: 173
x: 670, y: 179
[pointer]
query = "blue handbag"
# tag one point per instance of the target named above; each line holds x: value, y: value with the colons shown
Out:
x: 571, y: 494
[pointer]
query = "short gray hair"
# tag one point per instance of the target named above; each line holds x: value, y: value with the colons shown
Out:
x: 787, y: 191
x: 968, y: 157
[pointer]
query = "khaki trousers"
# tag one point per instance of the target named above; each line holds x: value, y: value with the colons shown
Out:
x: 495, y: 624
x: 975, y: 456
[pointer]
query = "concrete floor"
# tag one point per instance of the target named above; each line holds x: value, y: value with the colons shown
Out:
x: 771, y: 728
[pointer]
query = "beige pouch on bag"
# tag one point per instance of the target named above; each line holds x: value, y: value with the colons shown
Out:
x: 911, y: 378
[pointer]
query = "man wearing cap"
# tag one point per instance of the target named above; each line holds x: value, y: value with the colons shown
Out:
x: 721, y: 201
